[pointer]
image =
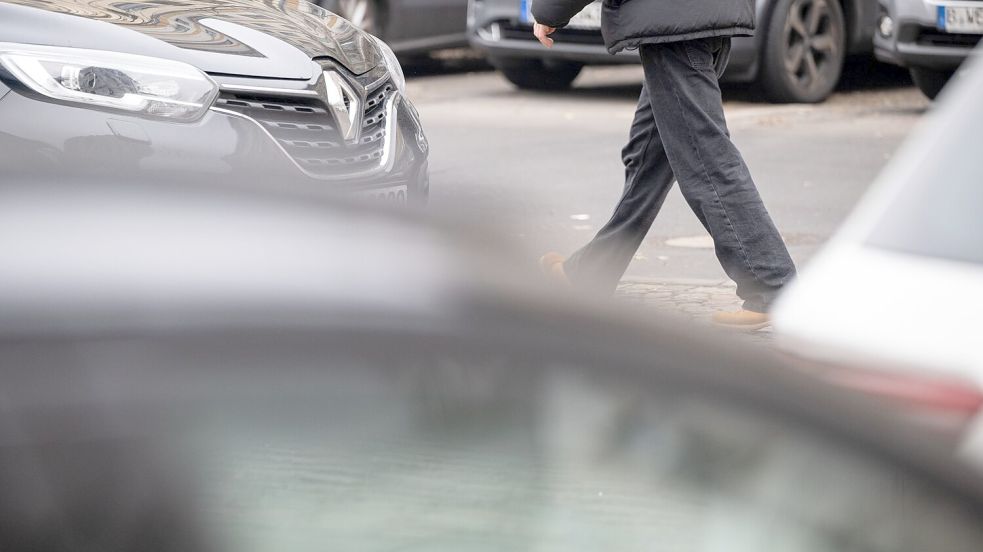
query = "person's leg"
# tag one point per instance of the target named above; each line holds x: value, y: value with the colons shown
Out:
x: 600, y: 264
x: 686, y: 101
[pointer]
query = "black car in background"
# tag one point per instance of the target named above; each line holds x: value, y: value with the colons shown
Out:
x: 409, y: 26
x: 796, y: 54
x: 215, y: 91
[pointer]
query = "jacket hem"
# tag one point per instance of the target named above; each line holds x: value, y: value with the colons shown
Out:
x: 632, y: 43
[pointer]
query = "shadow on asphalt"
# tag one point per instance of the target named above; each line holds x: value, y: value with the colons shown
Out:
x: 446, y: 62
x: 858, y: 74
x: 614, y: 91
x: 867, y: 74
x: 862, y: 73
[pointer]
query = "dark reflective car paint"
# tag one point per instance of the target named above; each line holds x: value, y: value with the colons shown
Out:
x: 219, y: 148
x: 243, y: 45
x: 413, y: 27
x: 234, y: 37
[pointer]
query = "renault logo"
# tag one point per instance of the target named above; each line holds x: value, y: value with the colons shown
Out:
x: 344, y: 104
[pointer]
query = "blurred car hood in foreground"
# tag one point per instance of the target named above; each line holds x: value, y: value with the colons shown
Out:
x: 205, y: 369
x: 231, y: 37
x: 98, y: 257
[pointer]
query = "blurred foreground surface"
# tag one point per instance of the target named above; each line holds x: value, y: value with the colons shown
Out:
x: 192, y: 370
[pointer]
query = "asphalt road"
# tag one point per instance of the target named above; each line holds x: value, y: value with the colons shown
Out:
x: 544, y: 169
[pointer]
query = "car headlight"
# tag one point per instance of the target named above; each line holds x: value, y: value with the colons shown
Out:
x: 392, y: 64
x: 142, y: 85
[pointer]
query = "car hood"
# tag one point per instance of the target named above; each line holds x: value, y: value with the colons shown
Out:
x: 255, y: 38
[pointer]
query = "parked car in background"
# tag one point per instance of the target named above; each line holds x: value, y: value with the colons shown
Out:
x: 930, y: 38
x: 221, y: 370
x: 892, y: 304
x: 796, y: 55
x: 210, y: 90
x: 408, y: 26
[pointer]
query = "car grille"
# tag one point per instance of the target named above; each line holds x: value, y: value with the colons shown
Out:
x: 306, y: 130
x: 931, y: 37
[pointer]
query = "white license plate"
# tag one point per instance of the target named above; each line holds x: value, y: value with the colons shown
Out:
x: 395, y: 195
x: 961, y: 19
x: 588, y: 18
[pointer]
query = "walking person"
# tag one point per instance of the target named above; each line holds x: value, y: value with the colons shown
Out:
x: 679, y: 134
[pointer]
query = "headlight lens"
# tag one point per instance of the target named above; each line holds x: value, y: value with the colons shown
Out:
x: 392, y: 64
x: 143, y: 85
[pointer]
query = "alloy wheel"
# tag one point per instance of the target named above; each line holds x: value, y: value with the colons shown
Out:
x: 812, y: 43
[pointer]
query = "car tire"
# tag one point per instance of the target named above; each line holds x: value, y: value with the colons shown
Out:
x: 538, y: 74
x: 804, y: 50
x: 930, y: 81
x: 368, y: 15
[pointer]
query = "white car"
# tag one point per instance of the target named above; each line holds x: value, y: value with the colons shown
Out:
x: 894, y: 303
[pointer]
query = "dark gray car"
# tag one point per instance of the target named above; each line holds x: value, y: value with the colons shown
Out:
x: 211, y: 90
x: 187, y: 369
x: 409, y: 26
x: 796, y: 55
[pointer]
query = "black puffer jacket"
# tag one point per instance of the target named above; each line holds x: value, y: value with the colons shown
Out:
x: 631, y: 23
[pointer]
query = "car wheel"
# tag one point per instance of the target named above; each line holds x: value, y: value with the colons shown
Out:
x: 930, y: 81
x: 368, y: 15
x: 804, y: 50
x: 538, y: 74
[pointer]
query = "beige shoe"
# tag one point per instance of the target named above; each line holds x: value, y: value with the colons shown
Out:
x: 552, y: 266
x: 742, y: 320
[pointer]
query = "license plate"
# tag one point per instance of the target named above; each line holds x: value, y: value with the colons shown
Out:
x: 588, y: 18
x: 395, y: 195
x: 961, y: 19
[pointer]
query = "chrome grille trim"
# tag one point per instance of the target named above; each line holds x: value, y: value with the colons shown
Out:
x: 269, y: 105
x: 386, y: 159
x: 304, y: 129
x: 295, y: 126
x: 266, y: 90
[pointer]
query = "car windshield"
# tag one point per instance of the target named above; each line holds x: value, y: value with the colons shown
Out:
x: 937, y: 213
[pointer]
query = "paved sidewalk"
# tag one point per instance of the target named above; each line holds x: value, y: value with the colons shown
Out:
x: 695, y: 299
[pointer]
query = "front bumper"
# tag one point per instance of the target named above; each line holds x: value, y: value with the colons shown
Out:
x: 495, y: 27
x: 224, y: 147
x: 917, y: 40
x: 512, y: 39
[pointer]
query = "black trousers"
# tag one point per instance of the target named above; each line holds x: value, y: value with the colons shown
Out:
x: 680, y: 134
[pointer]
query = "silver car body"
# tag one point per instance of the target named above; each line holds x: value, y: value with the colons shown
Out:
x: 917, y: 37
x: 899, y: 289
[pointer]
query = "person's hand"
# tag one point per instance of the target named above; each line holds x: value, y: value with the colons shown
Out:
x: 543, y: 33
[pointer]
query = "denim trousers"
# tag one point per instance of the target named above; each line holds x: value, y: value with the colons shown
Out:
x: 679, y: 134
